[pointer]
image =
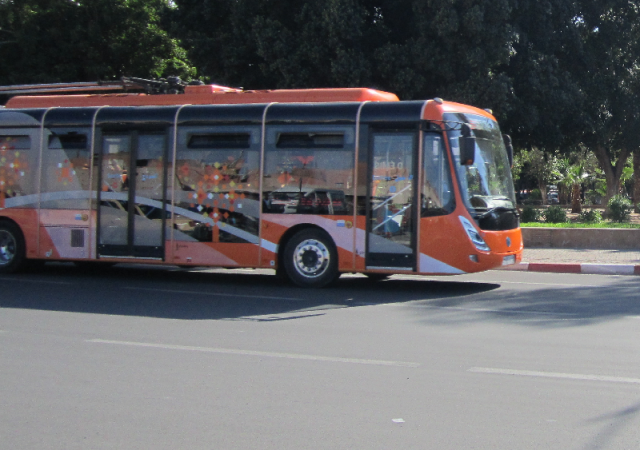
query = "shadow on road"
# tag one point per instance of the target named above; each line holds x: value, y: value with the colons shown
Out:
x: 195, y: 295
x: 611, y: 425
x: 541, y: 306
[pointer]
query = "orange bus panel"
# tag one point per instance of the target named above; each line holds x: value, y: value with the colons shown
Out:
x: 205, y: 95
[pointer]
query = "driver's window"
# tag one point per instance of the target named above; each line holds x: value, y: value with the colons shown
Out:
x: 436, y: 197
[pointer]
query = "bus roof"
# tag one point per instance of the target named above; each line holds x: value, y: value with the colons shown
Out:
x: 204, y: 95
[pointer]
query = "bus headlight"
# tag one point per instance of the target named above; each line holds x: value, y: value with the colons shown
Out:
x: 474, y: 235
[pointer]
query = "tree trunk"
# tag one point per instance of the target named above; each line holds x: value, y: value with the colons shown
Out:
x: 564, y: 194
x: 612, y: 174
x: 543, y: 191
x: 576, y: 205
x: 636, y: 180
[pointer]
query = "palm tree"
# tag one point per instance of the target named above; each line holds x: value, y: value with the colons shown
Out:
x: 573, y: 178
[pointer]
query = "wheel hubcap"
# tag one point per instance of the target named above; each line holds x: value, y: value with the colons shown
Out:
x: 7, y: 248
x: 311, y: 258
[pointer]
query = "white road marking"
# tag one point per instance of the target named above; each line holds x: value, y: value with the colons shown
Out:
x: 26, y: 280
x: 213, y: 294
x: 558, y: 375
x: 231, y: 351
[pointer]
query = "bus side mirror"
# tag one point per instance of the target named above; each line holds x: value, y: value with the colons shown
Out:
x: 467, y: 146
x: 509, y: 146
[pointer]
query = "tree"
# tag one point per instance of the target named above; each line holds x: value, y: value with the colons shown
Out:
x: 607, y: 73
x: 543, y: 167
x: 219, y: 38
x: 636, y: 180
x: 64, y: 40
x: 546, y: 102
x: 325, y: 45
x: 417, y: 49
x: 450, y: 49
x: 578, y: 170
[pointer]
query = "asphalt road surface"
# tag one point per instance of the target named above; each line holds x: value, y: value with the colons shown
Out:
x: 146, y: 358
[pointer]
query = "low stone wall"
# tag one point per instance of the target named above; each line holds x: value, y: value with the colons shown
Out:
x: 596, y: 238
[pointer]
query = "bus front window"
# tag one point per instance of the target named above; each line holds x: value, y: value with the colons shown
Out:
x: 486, y: 185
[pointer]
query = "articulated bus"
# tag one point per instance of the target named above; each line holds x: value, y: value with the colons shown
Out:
x: 312, y: 183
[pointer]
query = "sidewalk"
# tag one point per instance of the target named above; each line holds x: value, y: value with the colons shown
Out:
x: 562, y: 260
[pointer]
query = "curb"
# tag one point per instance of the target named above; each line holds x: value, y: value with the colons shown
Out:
x: 586, y: 268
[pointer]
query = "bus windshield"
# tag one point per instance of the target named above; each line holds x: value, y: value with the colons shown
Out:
x: 486, y: 185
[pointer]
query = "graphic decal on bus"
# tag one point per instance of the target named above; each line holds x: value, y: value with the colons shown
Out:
x: 13, y: 165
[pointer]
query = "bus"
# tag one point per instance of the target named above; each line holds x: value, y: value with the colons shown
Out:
x: 312, y: 183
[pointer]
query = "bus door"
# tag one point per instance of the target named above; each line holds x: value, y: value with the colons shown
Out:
x: 131, y: 197
x: 392, y: 208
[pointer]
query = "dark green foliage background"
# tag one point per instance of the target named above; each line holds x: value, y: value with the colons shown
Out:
x: 557, y: 73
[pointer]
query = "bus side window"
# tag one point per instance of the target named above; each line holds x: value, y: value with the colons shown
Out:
x: 17, y: 167
x: 216, y: 181
x: 66, y: 167
x: 308, y: 169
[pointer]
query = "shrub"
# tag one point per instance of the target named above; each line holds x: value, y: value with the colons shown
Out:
x: 619, y: 208
x: 591, y: 216
x: 530, y: 214
x: 535, y: 195
x: 555, y: 214
x: 593, y: 197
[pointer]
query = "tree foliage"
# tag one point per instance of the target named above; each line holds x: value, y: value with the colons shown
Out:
x: 559, y: 74
x: 608, y: 74
x: 544, y: 167
x: 63, y: 40
x: 415, y: 48
x: 546, y: 106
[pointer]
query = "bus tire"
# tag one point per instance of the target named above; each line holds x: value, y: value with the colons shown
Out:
x: 311, y: 259
x: 12, y: 248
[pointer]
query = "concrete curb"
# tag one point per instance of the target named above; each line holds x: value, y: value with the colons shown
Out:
x: 587, y: 268
x: 592, y: 238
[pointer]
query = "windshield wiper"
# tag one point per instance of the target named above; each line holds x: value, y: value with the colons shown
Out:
x: 490, y: 211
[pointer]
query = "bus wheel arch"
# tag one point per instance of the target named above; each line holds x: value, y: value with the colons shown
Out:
x: 13, y: 248
x: 309, y: 257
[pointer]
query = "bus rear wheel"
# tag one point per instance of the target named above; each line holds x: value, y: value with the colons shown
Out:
x: 311, y: 259
x: 12, y: 248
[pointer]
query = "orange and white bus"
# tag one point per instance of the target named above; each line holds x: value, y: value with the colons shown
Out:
x: 311, y: 183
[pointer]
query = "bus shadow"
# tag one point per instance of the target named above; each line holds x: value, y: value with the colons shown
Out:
x: 200, y: 295
x: 543, y: 307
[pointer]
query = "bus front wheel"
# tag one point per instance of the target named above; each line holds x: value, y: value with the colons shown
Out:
x: 311, y: 259
x: 12, y: 248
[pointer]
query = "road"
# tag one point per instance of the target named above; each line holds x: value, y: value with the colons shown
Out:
x: 147, y: 358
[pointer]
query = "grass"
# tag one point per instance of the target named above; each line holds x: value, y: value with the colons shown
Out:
x: 580, y: 225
